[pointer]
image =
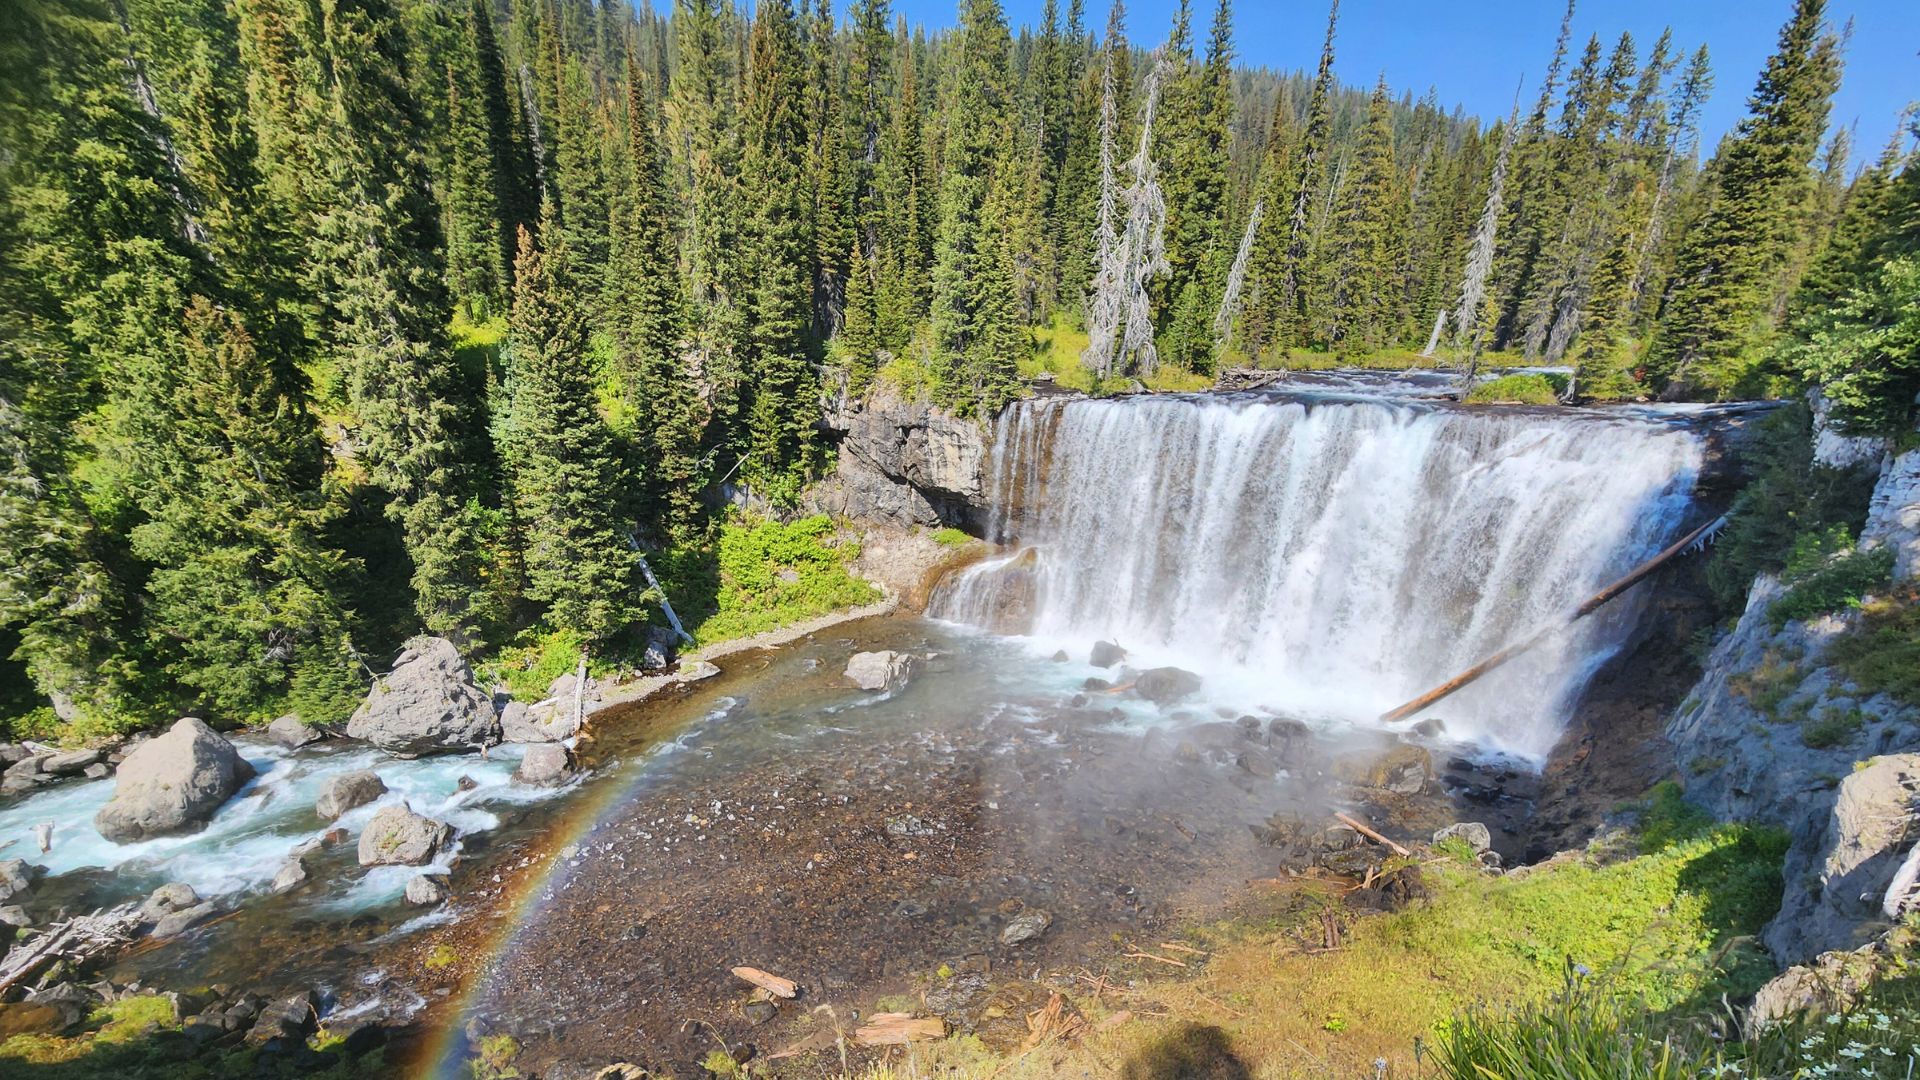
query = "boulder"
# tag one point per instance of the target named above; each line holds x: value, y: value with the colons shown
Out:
x: 347, y: 790
x: 424, y: 890
x: 544, y: 764
x: 172, y: 784
x: 1835, y: 884
x: 68, y: 764
x: 38, y: 1018
x: 1166, y: 685
x: 399, y: 837
x: 1477, y: 836
x: 428, y: 704
x: 1893, y: 516
x: 1106, y: 654
x: 24, y: 774
x: 292, y: 875
x: 17, y: 877
x: 291, y: 1019
x: 182, y: 921
x: 883, y: 670
x: 15, y: 917
x: 549, y: 721
x: 12, y: 754
x: 167, y: 899
x: 1833, y: 981
x: 1025, y: 927
x: 293, y: 733
x: 661, y: 647
x: 694, y: 671
x: 1399, y: 768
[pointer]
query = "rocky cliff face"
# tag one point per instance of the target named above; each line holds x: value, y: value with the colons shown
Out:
x: 1773, y: 732
x: 904, y: 462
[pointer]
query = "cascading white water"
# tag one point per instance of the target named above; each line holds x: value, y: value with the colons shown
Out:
x: 1331, y: 558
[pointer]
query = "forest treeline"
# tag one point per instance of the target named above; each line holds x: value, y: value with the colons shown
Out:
x: 326, y: 321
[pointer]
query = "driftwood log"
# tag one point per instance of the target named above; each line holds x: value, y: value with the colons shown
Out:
x: 77, y: 940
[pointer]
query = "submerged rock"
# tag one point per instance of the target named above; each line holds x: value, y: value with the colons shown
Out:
x: 1106, y: 654
x: 1026, y: 926
x: 399, y: 837
x: 172, y: 784
x: 344, y: 792
x: 292, y: 732
x: 695, y: 671
x: 184, y: 920
x: 884, y: 670
x: 428, y: 704
x: 545, y: 764
x: 1166, y: 685
x: 425, y: 890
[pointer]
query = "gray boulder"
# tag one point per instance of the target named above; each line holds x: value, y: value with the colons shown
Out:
x: 1025, y: 927
x: 182, y: 921
x: 17, y: 877
x: 15, y: 917
x: 428, y: 704
x: 545, y: 764
x: 24, y: 774
x: 1106, y: 654
x: 1477, y: 836
x: 68, y: 764
x: 695, y: 671
x: 1835, y: 886
x: 883, y: 670
x: 344, y: 792
x: 425, y: 890
x: 167, y: 899
x: 399, y: 837
x: 292, y: 874
x: 548, y: 721
x: 172, y: 784
x: 293, y: 733
x: 1166, y: 685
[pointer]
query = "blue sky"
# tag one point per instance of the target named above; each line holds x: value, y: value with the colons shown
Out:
x: 1473, y: 51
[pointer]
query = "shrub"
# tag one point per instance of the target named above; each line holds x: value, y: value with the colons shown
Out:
x: 1841, y: 583
x: 1586, y: 1032
x: 951, y: 537
x: 1832, y: 729
x: 1522, y: 389
x: 1882, y: 655
x: 531, y: 664
x: 762, y: 574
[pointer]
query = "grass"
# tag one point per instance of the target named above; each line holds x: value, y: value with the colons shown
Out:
x: 951, y: 537
x: 1769, y: 683
x: 761, y: 574
x: 1056, y: 352
x: 1664, y: 919
x: 1882, y: 655
x: 1840, y: 583
x: 1519, y: 388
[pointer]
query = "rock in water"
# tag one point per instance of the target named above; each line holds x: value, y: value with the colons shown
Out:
x: 292, y: 732
x: 549, y: 721
x: 182, y: 921
x: 399, y: 837
x: 172, y: 784
x: 1166, y: 685
x: 1477, y: 836
x: 1025, y: 927
x: 167, y: 899
x: 70, y: 763
x: 1107, y: 654
x: 17, y: 877
x: 344, y: 792
x: 883, y: 670
x: 544, y: 764
x: 428, y: 704
x: 425, y: 891
x: 293, y: 874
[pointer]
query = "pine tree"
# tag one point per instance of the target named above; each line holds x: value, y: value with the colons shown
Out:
x: 565, y: 475
x: 1283, y: 273
x: 975, y: 335
x: 1734, y: 262
x: 703, y: 133
x: 830, y: 175
x: 1196, y: 214
x: 907, y: 248
x: 1361, y: 258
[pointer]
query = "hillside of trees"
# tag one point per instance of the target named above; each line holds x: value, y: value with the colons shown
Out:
x: 324, y: 323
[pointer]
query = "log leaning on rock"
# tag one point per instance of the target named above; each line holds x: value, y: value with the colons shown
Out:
x: 1588, y: 607
x: 78, y: 939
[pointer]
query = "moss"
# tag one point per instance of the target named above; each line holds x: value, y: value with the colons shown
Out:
x: 1833, y: 728
x: 951, y: 537
x: 441, y: 957
x: 1519, y: 389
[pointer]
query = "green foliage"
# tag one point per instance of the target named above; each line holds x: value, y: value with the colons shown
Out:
x: 1665, y: 818
x: 1882, y: 654
x: 951, y: 537
x: 533, y: 661
x: 1864, y: 354
x: 762, y: 574
x: 1840, y: 583
x: 1588, y: 1031
x: 1788, y: 498
x: 494, y: 1059
x: 1833, y: 728
x: 1523, y: 389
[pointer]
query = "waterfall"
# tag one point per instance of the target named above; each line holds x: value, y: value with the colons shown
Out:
x: 1328, y: 558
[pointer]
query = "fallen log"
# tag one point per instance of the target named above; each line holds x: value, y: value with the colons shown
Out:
x: 1370, y: 834
x: 1587, y: 607
x: 77, y: 940
x: 898, y: 1029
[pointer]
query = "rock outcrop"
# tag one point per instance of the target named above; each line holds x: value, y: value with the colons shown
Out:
x: 399, y: 837
x: 883, y: 670
x: 545, y: 764
x: 172, y: 784
x: 1893, y: 515
x: 903, y: 461
x: 428, y: 704
x: 1834, y: 887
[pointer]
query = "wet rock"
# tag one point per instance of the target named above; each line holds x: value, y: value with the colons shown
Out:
x: 953, y: 998
x: 15, y: 917
x: 465, y: 783
x: 23, y: 775
x: 1106, y: 654
x: 293, y: 733
x: 544, y: 764
x: 1095, y: 686
x: 346, y: 791
x: 70, y: 763
x: 883, y: 670
x: 172, y: 784
x: 1431, y: 728
x: 1403, y: 770
x: 908, y: 825
x: 1026, y: 926
x: 425, y: 890
x: 759, y: 1012
x: 17, y: 877
x: 97, y: 771
x: 1477, y: 836
x: 548, y: 721
x: 290, y: 1018
x: 167, y: 899
x: 292, y: 875
x: 428, y: 704
x: 1060, y: 656
x: 1166, y: 685
x: 399, y: 837
x: 695, y: 671
x: 621, y: 1071
x: 182, y: 921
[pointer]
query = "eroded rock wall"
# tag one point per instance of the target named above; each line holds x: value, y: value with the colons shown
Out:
x: 904, y: 462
